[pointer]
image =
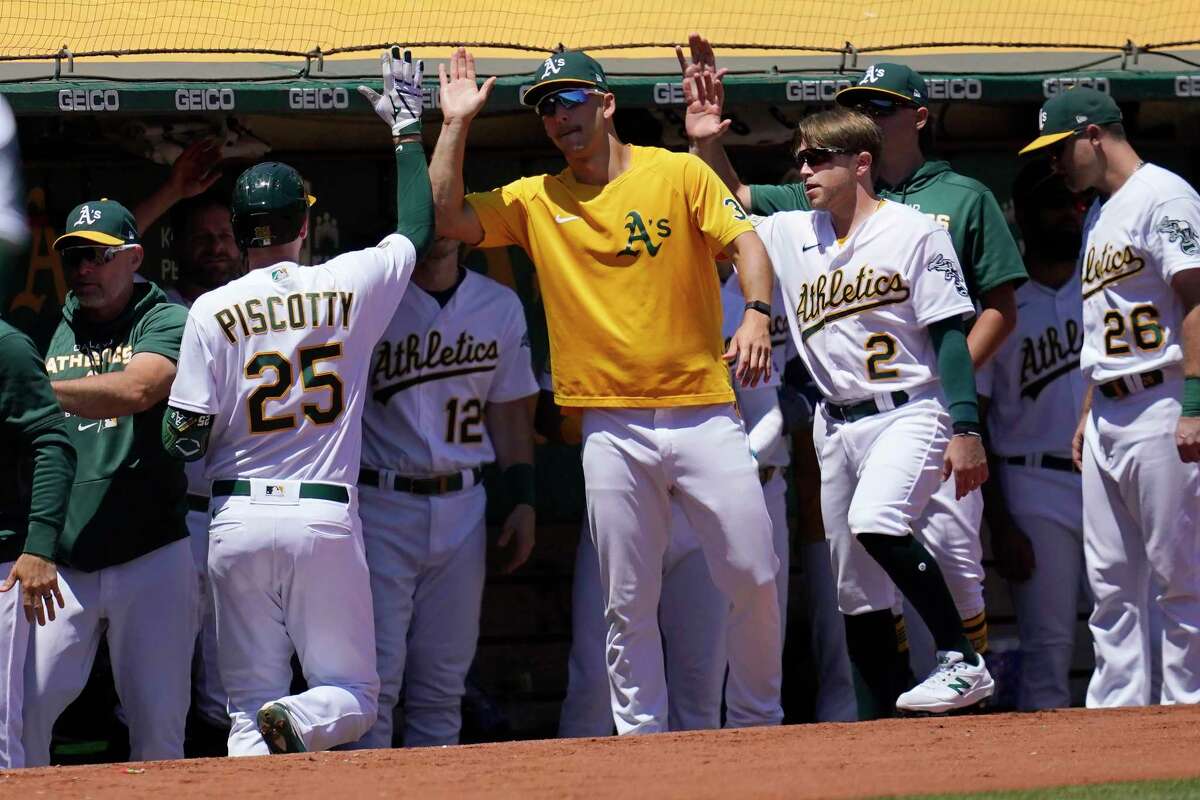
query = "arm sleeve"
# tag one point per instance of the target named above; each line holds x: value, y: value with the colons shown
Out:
x: 955, y: 369
x: 414, y: 197
x: 503, y: 216
x: 514, y: 372
x: 715, y: 211
x: 938, y: 287
x: 1174, y: 235
x: 768, y: 199
x: 992, y: 255
x: 162, y: 331
x: 53, y: 474
x: 194, y: 388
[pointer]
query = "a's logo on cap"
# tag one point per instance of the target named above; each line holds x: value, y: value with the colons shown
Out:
x: 1080, y: 119
x: 553, y: 66
x: 86, y: 217
x: 1042, y: 120
x: 872, y: 74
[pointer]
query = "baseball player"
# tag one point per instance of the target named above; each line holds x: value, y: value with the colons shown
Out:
x: 125, y: 567
x: 35, y: 478
x: 623, y: 241
x: 207, y: 257
x: 272, y: 382
x: 450, y: 386
x: 876, y: 301
x: 1035, y: 391
x: 692, y: 612
x: 894, y: 96
x: 1139, y: 435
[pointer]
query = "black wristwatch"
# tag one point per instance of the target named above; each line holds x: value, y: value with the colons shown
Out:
x: 759, y: 306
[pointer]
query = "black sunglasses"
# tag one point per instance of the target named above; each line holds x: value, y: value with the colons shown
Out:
x: 817, y: 156
x: 73, y: 257
x: 567, y: 98
x: 1056, y: 150
x: 876, y: 108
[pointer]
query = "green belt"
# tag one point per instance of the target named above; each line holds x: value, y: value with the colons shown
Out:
x: 197, y: 502
x: 853, y: 412
x: 308, y: 491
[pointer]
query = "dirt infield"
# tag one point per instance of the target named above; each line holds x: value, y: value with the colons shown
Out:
x: 1001, y: 751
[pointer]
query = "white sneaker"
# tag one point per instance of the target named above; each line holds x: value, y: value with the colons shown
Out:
x: 954, y: 684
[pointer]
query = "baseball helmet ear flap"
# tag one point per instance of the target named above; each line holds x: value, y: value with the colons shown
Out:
x: 269, y: 205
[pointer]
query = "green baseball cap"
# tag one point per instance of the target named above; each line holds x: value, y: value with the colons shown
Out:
x: 570, y: 69
x: 1070, y: 112
x: 99, y: 222
x: 885, y: 81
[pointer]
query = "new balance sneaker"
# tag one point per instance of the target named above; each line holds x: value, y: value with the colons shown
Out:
x: 953, y: 685
x: 275, y: 725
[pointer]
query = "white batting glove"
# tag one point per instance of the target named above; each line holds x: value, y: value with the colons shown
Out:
x: 401, y: 102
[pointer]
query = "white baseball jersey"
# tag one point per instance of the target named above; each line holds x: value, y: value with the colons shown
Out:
x: 1034, y: 382
x: 761, y: 401
x: 1134, y: 243
x: 434, y: 371
x: 281, y: 356
x: 195, y: 471
x: 858, y: 308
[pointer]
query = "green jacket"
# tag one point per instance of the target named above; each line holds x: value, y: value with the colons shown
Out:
x: 38, y: 462
x: 964, y: 206
x: 129, y: 496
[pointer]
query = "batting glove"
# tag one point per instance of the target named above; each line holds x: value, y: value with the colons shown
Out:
x: 401, y: 102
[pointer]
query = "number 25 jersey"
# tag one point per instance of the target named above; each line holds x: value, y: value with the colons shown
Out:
x: 280, y: 359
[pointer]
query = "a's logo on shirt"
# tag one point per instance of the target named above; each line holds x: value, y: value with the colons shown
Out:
x: 638, y: 233
x: 1180, y: 232
x: 86, y: 217
x: 949, y: 271
x: 1049, y: 357
x: 834, y: 296
x: 1107, y: 266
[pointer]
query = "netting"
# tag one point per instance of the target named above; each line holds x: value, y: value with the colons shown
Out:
x: 40, y: 28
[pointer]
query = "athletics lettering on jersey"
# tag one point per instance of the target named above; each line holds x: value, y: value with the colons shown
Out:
x: 1108, y: 266
x: 95, y: 357
x: 396, y: 361
x: 832, y: 296
x: 1049, y: 357
x: 259, y: 315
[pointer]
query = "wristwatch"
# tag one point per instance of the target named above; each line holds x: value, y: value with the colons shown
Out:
x: 759, y: 306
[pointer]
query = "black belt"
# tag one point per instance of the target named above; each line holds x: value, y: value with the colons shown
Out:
x: 308, y: 490
x: 766, y: 473
x: 197, y: 502
x: 1044, y: 460
x: 1117, y: 388
x: 439, y: 484
x: 866, y: 408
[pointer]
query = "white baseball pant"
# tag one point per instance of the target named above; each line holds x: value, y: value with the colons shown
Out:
x: 427, y: 557
x: 292, y: 574
x: 632, y: 458
x: 208, y: 695
x: 1141, y: 516
x: 14, y: 639
x: 1047, y: 506
x: 148, y: 610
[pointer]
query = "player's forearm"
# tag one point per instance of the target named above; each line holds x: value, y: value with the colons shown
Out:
x: 993, y: 325
x: 53, y: 474
x: 446, y: 179
x: 753, y: 267
x: 510, y: 426
x: 112, y: 394
x: 1190, y: 331
x: 956, y: 372
x: 152, y: 208
x: 713, y: 153
x: 414, y: 197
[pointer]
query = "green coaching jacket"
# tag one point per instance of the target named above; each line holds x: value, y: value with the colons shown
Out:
x: 32, y: 505
x: 129, y: 496
x: 964, y: 206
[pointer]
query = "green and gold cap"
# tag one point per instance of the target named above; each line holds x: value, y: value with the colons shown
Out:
x: 99, y: 222
x: 1070, y: 112
x: 570, y: 69
x: 885, y: 82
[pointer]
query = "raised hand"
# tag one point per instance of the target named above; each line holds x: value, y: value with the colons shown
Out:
x: 461, y: 97
x: 195, y: 170
x: 703, y: 90
x: 400, y: 105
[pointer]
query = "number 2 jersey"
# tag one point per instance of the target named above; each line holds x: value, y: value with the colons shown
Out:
x: 859, y: 308
x: 1134, y: 243
x: 435, y: 370
x: 280, y: 357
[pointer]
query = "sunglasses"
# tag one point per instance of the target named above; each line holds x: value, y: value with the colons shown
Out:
x: 567, y: 98
x: 1057, y: 149
x: 817, y: 156
x: 876, y: 108
x: 73, y: 257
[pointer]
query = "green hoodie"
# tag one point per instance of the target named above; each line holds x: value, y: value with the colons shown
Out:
x: 964, y: 206
x: 129, y: 496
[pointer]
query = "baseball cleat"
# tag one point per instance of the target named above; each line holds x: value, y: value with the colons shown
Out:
x: 275, y: 725
x: 953, y: 685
